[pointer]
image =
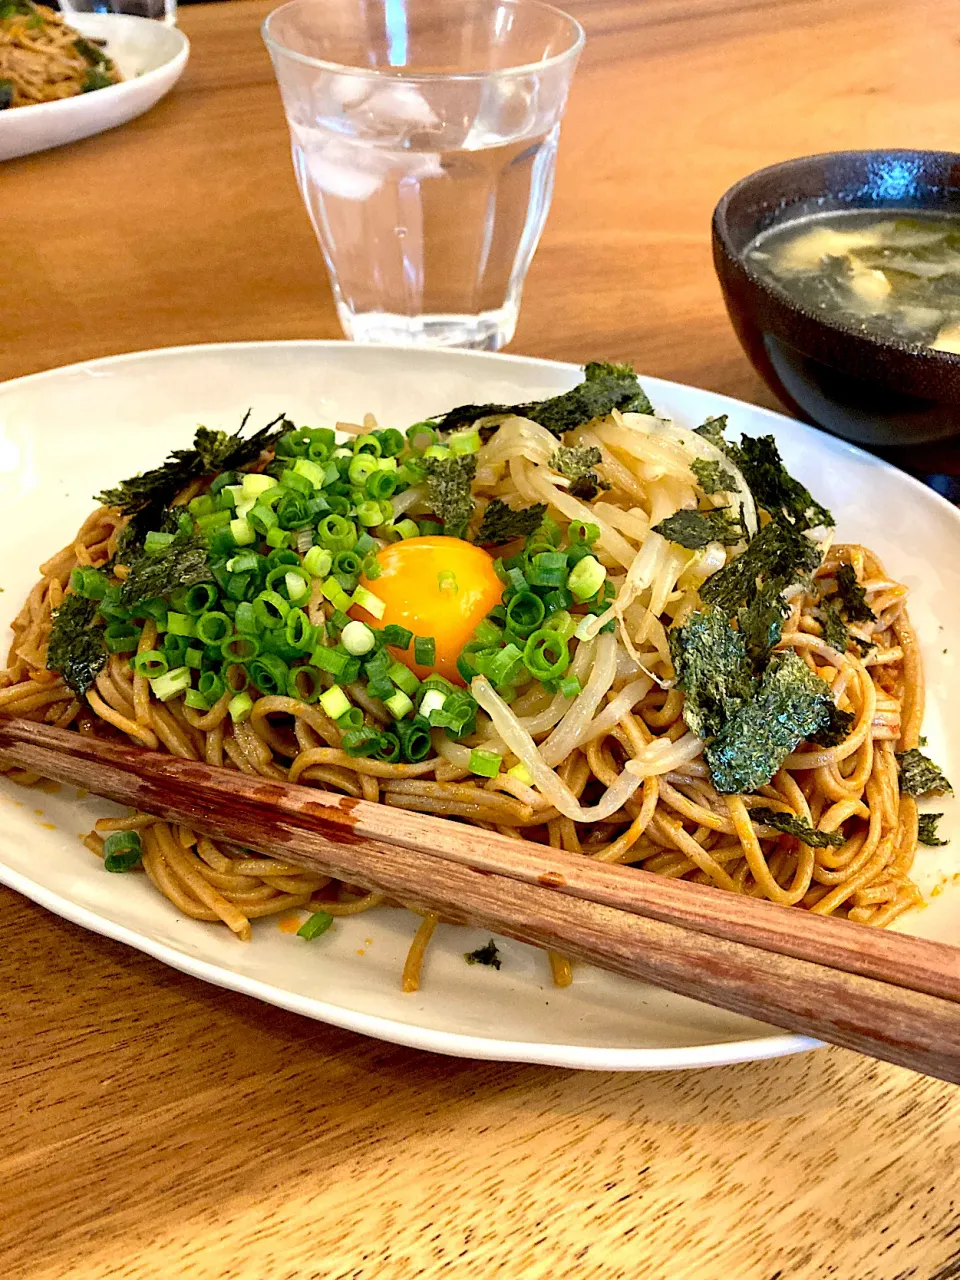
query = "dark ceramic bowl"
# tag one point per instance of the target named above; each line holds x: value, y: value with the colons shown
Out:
x: 879, y: 392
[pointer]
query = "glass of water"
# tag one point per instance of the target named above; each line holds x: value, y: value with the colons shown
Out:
x: 424, y: 138
x: 161, y: 10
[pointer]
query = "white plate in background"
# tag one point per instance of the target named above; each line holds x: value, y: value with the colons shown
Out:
x: 68, y: 433
x: 151, y: 58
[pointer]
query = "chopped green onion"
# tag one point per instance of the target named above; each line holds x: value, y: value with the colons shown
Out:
x: 362, y: 741
x: 212, y: 627
x: 546, y: 655
x: 195, y: 700
x: 334, y: 702
x: 333, y: 592
x: 367, y: 600
x: 398, y: 705
x: 240, y: 647
x: 269, y: 673
x: 181, y: 624
x: 318, y: 562
x: 310, y: 471
x: 216, y: 520
x: 330, y: 660
x: 306, y: 692
x: 447, y: 581
x: 432, y: 700
x: 211, y: 687
x: 581, y: 531
x: 155, y: 541
x: 270, y: 610
x: 485, y: 763
x: 253, y: 484
x: 175, y: 650
x: 242, y: 532
x: 464, y: 442
x: 396, y: 637
x: 407, y: 529
x: 367, y: 444
x: 388, y: 747
x: 262, y: 518
x: 298, y: 483
x: 151, y: 663
x: 346, y: 564
x: 318, y: 923
x: 298, y: 586
x: 194, y: 657
x: 235, y: 677
x: 586, y: 578
x: 488, y: 634
x: 548, y: 569
x: 380, y: 687
x: 381, y: 484
x: 369, y: 514
x: 521, y: 773
x: 562, y: 622
x: 437, y: 451
x: 351, y: 719
x: 245, y: 618
x: 425, y: 651
x: 121, y: 637
x: 122, y: 851
x: 570, y: 686
x: 362, y: 466
x: 198, y: 599
x: 414, y: 735
x: 299, y: 632
x: 358, y: 639
x: 421, y: 436
x: 336, y: 533
x: 89, y: 583
x: 277, y: 538
x: 171, y: 683
x: 391, y: 442
x: 505, y: 666
x: 403, y: 678
x: 377, y: 666
x: 525, y: 613
x: 240, y: 707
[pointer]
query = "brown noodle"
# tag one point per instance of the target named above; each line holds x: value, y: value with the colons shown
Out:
x: 42, y: 59
x: 676, y: 824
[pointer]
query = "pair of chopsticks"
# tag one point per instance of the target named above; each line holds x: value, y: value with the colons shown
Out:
x: 886, y: 995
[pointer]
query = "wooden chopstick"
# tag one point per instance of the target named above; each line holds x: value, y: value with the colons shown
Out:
x: 884, y: 994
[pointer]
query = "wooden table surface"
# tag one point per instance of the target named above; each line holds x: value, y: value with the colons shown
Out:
x: 156, y: 1127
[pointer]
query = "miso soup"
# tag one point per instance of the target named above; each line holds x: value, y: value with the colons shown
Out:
x: 882, y: 273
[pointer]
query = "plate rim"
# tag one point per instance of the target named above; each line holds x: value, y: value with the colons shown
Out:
x: 457, y: 1044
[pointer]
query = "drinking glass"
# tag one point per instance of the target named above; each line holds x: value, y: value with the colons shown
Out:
x: 162, y: 10
x: 424, y: 136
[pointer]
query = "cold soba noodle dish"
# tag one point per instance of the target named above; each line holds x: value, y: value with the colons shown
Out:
x: 568, y: 621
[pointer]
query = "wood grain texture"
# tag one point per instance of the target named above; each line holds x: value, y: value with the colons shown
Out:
x: 154, y: 1127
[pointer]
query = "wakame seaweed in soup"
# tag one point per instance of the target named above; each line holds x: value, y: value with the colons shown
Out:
x: 879, y: 272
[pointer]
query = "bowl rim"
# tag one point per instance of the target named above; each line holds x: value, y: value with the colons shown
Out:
x: 867, y: 342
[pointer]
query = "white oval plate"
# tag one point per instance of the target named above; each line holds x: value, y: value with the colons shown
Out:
x: 67, y: 433
x: 151, y: 57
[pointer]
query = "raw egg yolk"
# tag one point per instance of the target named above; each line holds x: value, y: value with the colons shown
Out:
x: 439, y: 587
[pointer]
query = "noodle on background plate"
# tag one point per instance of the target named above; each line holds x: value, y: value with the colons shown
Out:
x: 42, y: 59
x: 619, y: 538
